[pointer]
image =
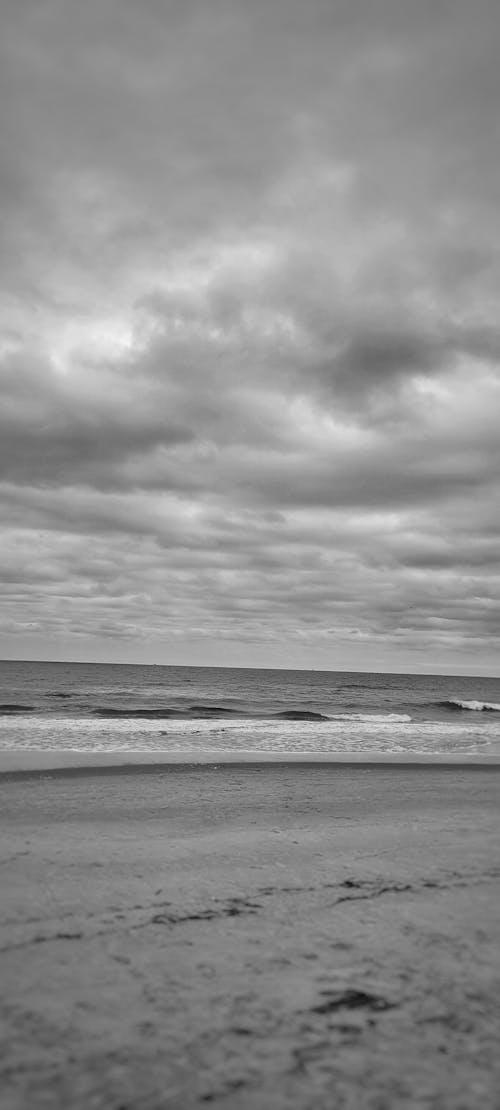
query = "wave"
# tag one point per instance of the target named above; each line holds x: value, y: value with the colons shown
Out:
x: 14, y: 707
x: 376, y: 718
x: 164, y: 713
x: 300, y: 715
x: 458, y: 705
x: 212, y: 710
x: 146, y: 714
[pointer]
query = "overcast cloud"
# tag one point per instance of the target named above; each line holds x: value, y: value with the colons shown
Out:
x: 250, y: 332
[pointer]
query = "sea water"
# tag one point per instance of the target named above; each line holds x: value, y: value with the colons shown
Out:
x: 119, y: 708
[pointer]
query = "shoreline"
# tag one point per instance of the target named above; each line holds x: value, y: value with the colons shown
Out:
x: 33, y: 761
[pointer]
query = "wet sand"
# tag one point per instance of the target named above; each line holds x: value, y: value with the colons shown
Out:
x: 251, y: 936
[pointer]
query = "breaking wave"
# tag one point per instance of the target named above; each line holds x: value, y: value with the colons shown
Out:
x: 473, y: 706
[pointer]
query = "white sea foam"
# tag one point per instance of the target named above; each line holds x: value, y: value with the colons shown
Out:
x: 377, y: 718
x: 345, y: 733
x: 475, y: 706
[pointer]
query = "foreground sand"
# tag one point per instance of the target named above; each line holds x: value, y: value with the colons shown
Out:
x: 271, y: 937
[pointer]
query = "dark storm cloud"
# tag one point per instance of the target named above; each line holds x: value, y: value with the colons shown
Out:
x: 249, y: 355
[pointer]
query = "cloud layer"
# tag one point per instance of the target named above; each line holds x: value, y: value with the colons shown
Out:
x: 249, y: 347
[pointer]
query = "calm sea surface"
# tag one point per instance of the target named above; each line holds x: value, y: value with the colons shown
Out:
x: 95, y: 707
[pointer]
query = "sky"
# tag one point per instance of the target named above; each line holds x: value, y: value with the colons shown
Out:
x: 249, y: 333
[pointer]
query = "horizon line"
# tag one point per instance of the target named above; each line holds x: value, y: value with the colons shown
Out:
x: 240, y: 667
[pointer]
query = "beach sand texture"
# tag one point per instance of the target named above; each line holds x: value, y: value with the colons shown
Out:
x: 275, y: 936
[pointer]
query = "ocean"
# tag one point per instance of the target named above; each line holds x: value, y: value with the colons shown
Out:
x: 87, y: 707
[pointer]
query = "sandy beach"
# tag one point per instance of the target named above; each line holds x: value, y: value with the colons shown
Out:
x: 251, y: 936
